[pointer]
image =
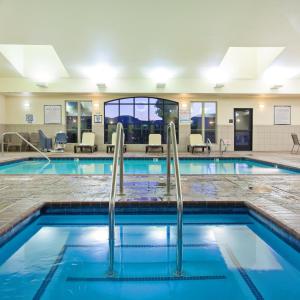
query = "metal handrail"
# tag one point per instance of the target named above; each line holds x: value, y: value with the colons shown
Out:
x: 118, y: 160
x: 171, y: 138
x: 222, y: 142
x: 27, y: 142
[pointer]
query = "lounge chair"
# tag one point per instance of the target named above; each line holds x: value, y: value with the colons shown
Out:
x: 196, y: 141
x: 45, y: 142
x: 154, y: 142
x: 88, y: 142
x: 296, y: 142
x: 61, y: 140
x: 111, y: 147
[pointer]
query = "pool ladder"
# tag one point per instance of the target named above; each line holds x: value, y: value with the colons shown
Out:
x: 172, y: 140
x: 118, y: 160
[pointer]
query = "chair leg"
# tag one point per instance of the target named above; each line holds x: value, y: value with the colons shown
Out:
x: 292, y: 149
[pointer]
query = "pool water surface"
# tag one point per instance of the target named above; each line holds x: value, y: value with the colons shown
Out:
x: 143, y: 166
x: 225, y: 256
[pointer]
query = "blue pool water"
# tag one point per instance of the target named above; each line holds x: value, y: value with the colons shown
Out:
x: 141, y: 166
x: 224, y: 257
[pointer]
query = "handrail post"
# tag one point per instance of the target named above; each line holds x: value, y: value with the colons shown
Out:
x: 121, y: 154
x: 118, y: 159
x: 168, y: 162
x: 179, y: 247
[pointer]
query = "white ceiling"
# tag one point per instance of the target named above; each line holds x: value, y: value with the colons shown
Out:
x: 136, y: 36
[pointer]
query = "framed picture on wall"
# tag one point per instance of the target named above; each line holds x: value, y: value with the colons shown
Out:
x: 52, y: 114
x: 97, y: 118
x: 282, y: 115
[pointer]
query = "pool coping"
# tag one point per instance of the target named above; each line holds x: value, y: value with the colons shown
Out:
x: 266, y: 162
x: 279, y: 227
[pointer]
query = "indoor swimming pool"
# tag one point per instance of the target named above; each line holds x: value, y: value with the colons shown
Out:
x: 225, y: 256
x: 142, y: 166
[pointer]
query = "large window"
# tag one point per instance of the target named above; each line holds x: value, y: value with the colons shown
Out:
x: 78, y: 119
x: 204, y: 118
x: 140, y: 116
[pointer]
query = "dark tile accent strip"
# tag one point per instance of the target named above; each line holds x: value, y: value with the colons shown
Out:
x: 256, y: 293
x: 50, y: 274
x: 143, y: 245
x: 144, y: 224
x: 154, y: 278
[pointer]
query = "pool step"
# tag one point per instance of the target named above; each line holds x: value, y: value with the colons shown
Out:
x: 150, y: 278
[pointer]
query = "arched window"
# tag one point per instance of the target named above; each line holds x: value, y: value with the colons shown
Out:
x: 140, y: 116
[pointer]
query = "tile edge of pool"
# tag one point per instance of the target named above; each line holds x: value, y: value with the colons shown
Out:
x: 286, y: 233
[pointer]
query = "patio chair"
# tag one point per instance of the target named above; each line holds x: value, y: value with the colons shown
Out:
x: 88, y: 142
x: 13, y: 141
x: 45, y: 142
x: 60, y: 140
x: 111, y: 147
x: 196, y: 141
x: 154, y: 142
x: 296, y: 142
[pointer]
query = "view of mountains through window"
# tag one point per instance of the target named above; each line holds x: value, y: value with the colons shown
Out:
x: 140, y: 116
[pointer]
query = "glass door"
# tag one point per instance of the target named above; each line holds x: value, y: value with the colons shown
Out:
x: 243, y: 123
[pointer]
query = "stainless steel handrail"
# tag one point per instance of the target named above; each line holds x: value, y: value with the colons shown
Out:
x: 171, y: 138
x: 23, y: 139
x: 118, y: 160
x: 221, y: 143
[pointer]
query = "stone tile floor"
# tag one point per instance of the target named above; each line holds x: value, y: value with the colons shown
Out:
x: 277, y: 196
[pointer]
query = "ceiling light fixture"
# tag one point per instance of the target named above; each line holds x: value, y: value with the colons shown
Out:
x: 276, y: 86
x: 42, y: 85
x: 219, y: 85
x: 101, y: 86
x: 160, y: 85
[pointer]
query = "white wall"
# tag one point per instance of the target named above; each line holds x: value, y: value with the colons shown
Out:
x: 2, y: 110
x: 266, y: 136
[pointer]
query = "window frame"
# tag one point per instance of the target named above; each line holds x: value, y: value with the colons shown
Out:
x: 203, y: 129
x: 78, y: 117
x: 165, y: 102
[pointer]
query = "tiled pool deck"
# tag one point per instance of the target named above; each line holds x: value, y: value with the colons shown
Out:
x: 275, y: 196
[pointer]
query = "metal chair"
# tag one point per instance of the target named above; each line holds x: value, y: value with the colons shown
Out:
x: 296, y: 142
